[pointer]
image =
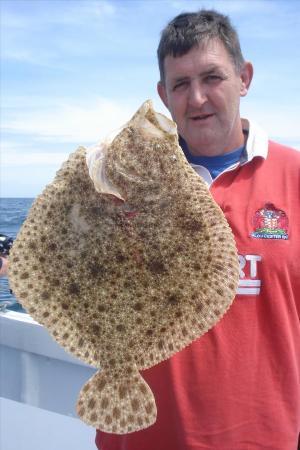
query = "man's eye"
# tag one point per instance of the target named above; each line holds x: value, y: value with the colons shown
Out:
x: 214, y: 78
x: 180, y: 85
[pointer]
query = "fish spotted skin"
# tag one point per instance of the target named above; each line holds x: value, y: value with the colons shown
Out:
x: 140, y: 277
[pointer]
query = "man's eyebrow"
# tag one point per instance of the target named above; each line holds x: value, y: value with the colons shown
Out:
x: 179, y: 79
x: 210, y: 69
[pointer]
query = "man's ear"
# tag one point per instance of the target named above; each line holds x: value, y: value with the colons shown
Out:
x: 161, y: 89
x: 246, y: 78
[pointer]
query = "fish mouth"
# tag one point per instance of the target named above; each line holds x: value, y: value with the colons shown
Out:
x: 95, y: 160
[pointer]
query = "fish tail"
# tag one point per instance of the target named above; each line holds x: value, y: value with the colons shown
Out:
x: 116, y: 404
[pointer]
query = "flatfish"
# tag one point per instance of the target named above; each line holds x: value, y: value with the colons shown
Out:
x: 126, y: 259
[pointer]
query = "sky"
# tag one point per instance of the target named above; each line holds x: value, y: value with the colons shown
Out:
x: 73, y: 71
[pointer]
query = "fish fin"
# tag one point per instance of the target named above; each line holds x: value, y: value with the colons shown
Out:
x: 116, y: 404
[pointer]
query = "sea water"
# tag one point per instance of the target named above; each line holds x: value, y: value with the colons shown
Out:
x: 13, y: 212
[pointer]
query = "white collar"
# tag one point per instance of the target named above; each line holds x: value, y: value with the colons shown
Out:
x: 257, y: 141
x: 256, y: 145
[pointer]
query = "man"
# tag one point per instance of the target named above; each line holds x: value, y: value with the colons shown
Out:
x: 5, y: 246
x: 237, y: 387
x: 3, y: 266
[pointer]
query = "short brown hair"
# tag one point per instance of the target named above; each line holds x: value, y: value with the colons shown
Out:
x: 188, y: 30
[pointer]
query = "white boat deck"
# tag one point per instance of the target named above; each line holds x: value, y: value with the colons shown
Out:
x: 39, y: 384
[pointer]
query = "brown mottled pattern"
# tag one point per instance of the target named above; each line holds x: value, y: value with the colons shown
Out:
x: 138, y: 279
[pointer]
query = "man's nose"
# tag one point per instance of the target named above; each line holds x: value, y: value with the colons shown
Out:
x: 197, y: 95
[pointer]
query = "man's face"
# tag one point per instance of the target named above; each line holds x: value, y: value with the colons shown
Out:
x: 202, y: 91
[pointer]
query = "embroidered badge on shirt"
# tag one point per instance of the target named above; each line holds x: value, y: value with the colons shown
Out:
x: 270, y: 223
